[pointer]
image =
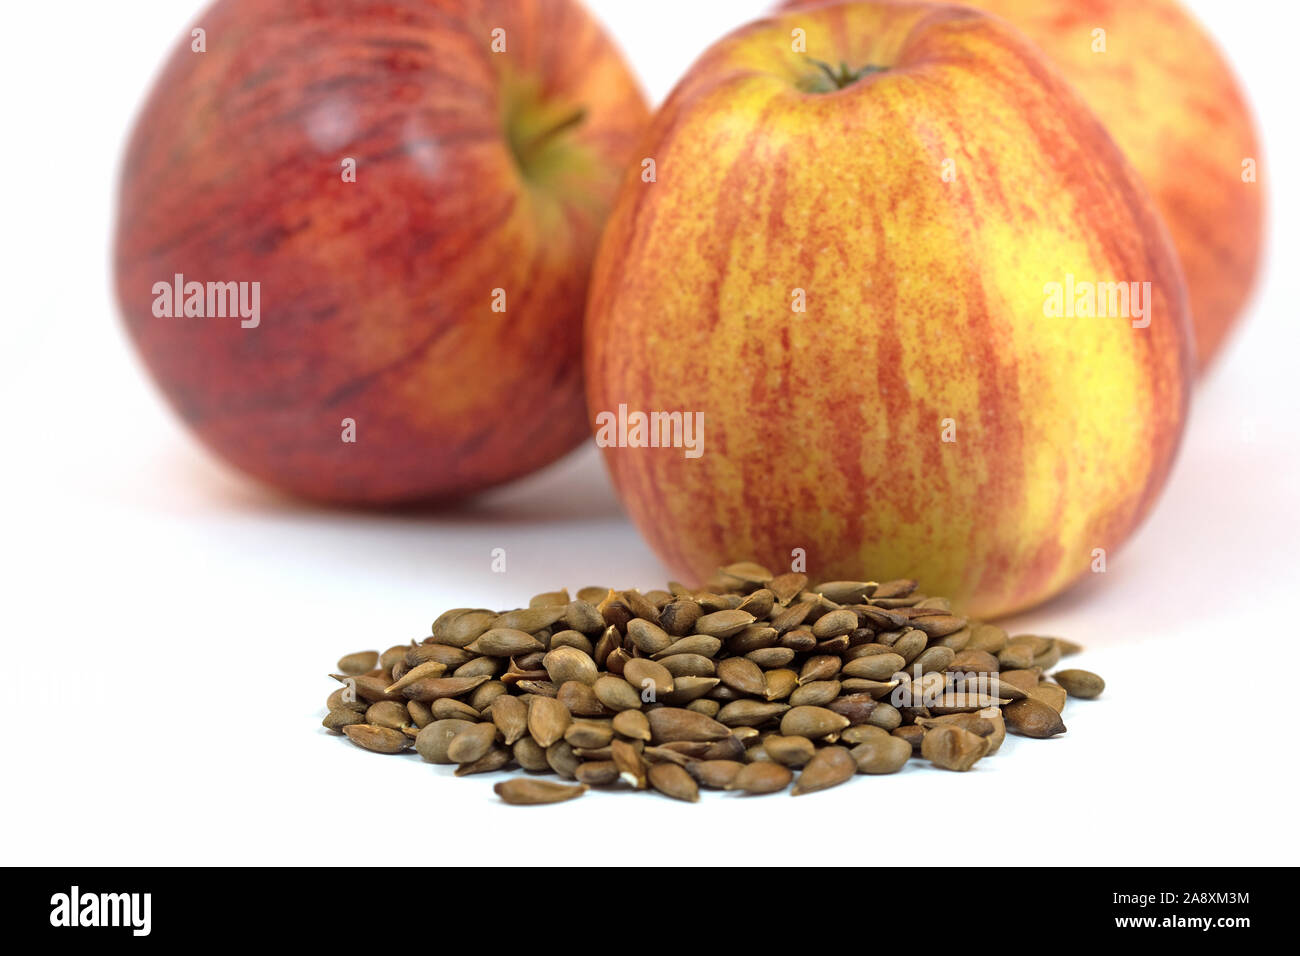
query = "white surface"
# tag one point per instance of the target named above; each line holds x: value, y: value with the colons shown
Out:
x: 167, y: 626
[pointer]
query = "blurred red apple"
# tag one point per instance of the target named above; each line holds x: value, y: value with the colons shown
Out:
x: 354, y: 237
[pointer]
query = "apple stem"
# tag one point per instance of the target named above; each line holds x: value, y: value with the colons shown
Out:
x: 844, y: 76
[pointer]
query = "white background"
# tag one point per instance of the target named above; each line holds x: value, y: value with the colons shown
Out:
x: 167, y: 626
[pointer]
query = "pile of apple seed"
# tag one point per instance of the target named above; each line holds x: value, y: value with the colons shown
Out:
x: 734, y: 686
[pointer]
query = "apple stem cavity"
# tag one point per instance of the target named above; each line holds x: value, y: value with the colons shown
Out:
x: 841, y: 77
x: 528, y: 148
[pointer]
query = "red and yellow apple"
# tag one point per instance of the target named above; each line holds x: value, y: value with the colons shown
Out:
x: 1168, y: 97
x: 408, y: 195
x: 936, y: 199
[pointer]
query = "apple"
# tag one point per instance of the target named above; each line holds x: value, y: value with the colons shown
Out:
x: 1169, y: 98
x: 354, y: 238
x: 920, y: 315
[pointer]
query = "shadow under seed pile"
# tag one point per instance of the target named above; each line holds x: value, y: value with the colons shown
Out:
x: 733, y: 686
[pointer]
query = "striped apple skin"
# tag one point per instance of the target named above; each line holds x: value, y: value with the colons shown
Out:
x: 925, y: 303
x: 1169, y: 98
x: 377, y: 296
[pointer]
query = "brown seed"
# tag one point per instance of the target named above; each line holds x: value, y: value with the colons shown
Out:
x: 472, y: 743
x: 813, y: 722
x: 768, y: 658
x: 952, y: 747
x: 780, y: 684
x: 699, y: 644
x: 909, y: 645
x: 1079, y: 683
x: 582, y: 616
x: 717, y: 774
x: 640, y: 606
x: 368, y: 687
x: 1046, y: 660
x: 933, y: 659
x: 419, y: 672
x: 819, y: 667
x: 421, y: 713
x: 910, y: 733
x: 388, y: 713
x: 632, y: 724
x: 381, y: 740
x: 789, y: 751
x: 857, y: 708
x: 647, y: 636
x: 562, y: 759
x: 432, y: 741
x: 879, y: 667
x: 1051, y: 694
x: 531, y: 619
x: 510, y: 715
x: 481, y: 667
x: 799, y: 640
x: 672, y: 781
x: 742, y: 675
x: 597, y: 773
x: 530, y: 755
x: 834, y: 624
x: 1026, y: 680
x: 885, y: 716
x: 448, y: 708
x: 565, y: 663
x: 759, y: 604
x: 345, y: 698
x: 358, y: 663
x: 550, y: 598
x: 631, y: 768
x: 434, y: 688
x: 679, y: 617
x: 547, y: 720
x: 829, y: 767
x: 462, y: 626
x: 1032, y: 718
x: 845, y: 592
x: 648, y: 676
x: 1016, y: 656
x: 589, y: 734
x: 883, y: 754
x: 616, y: 693
x: 764, y: 776
x: 493, y: 760
x: 861, y: 733
x: 674, y: 723
x: 938, y: 625
x: 443, y: 654
x: 787, y: 619
x: 687, y: 689
x: 723, y: 623
x: 974, y: 662
x: 525, y: 792
x: 818, y: 693
x: 662, y: 754
x: 987, y: 637
x: 786, y: 587
x: 504, y: 642
x: 749, y: 713
x: 579, y: 699
x: 341, y: 717
x: 707, y: 707
x: 688, y: 665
